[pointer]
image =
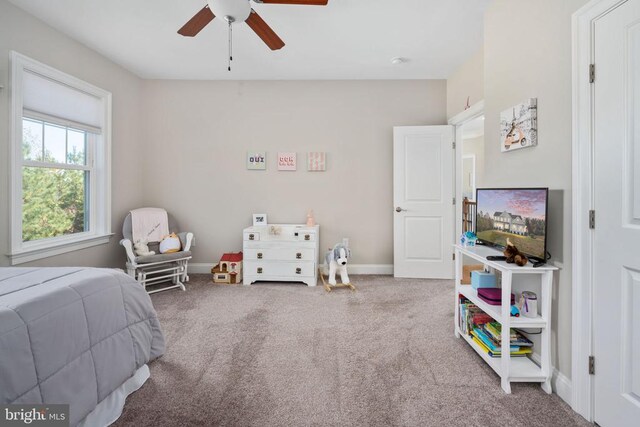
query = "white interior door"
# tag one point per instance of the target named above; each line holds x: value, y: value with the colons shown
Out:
x: 616, y: 262
x: 423, y: 184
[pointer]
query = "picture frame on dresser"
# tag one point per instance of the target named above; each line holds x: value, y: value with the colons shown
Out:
x: 259, y: 220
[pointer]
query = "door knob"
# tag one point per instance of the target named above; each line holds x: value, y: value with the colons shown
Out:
x: 399, y: 209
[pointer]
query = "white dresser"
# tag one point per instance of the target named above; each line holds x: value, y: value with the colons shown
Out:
x: 281, y: 253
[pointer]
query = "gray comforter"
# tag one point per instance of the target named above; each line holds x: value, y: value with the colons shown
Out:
x: 72, y: 335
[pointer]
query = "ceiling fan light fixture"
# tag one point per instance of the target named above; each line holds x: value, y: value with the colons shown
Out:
x: 238, y: 10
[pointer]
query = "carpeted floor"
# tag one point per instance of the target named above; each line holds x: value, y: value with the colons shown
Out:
x: 289, y: 355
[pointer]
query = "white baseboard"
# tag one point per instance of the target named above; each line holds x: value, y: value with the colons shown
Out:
x: 560, y: 384
x: 200, y: 267
x: 370, y: 269
x: 205, y: 268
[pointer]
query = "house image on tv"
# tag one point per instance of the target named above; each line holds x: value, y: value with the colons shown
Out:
x: 504, y: 221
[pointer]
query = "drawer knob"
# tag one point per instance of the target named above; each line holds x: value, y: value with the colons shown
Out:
x: 251, y: 236
x: 299, y: 255
x: 298, y: 270
x: 259, y: 270
x: 307, y: 237
x: 259, y: 255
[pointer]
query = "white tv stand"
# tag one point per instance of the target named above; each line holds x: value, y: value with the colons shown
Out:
x: 516, y: 369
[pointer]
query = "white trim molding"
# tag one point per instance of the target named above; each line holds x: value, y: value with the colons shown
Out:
x: 471, y: 113
x: 583, y: 22
x: 560, y: 384
x: 382, y: 269
x: 98, y: 164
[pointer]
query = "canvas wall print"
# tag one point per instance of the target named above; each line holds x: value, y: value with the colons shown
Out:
x: 286, y: 161
x: 257, y: 160
x: 519, y: 215
x: 519, y: 126
x: 316, y: 161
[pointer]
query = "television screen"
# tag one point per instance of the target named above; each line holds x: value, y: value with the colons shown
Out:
x: 519, y: 214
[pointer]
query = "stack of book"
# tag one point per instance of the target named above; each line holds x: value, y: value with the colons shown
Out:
x: 487, y: 333
x: 471, y: 316
x: 488, y: 337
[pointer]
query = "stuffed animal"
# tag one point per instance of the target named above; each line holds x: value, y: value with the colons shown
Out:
x: 141, y: 248
x: 513, y: 255
x: 337, y: 259
x: 170, y: 243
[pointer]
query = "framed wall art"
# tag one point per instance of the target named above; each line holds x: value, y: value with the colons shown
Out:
x: 257, y: 160
x: 316, y: 161
x: 519, y: 126
x: 286, y: 161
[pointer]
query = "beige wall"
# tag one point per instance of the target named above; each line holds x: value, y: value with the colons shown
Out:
x: 528, y: 54
x: 27, y: 35
x: 467, y: 81
x: 198, y: 134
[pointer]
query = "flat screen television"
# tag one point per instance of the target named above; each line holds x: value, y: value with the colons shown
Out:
x: 519, y: 214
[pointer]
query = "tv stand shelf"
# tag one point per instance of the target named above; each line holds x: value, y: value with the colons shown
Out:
x: 510, y: 369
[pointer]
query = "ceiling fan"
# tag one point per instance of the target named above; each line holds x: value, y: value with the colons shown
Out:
x: 234, y: 11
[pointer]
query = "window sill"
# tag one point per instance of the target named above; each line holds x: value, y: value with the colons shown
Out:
x: 56, y: 248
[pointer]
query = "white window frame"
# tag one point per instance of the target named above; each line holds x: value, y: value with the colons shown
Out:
x: 100, y: 186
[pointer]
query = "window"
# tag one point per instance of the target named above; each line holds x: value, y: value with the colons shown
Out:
x: 61, y: 167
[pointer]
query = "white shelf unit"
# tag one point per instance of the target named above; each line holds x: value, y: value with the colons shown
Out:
x: 510, y: 369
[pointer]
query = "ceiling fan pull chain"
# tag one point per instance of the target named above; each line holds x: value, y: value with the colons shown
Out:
x: 230, y: 44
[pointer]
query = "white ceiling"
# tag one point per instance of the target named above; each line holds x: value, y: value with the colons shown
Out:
x: 348, y: 39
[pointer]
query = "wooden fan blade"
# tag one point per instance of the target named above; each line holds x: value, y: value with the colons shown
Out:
x: 303, y: 2
x: 264, y: 31
x: 197, y: 23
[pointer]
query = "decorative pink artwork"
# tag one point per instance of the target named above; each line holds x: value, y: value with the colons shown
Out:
x: 316, y: 161
x: 286, y: 161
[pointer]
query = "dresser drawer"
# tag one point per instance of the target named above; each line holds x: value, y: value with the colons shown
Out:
x: 279, y: 269
x: 251, y: 236
x: 279, y: 254
x: 286, y: 235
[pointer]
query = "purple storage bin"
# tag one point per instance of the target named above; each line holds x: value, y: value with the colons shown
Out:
x: 493, y: 296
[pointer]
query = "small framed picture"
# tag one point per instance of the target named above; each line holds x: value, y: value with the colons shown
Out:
x: 287, y: 161
x: 257, y: 160
x: 259, y: 219
x: 316, y: 161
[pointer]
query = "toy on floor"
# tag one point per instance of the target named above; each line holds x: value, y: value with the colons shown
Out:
x: 514, y: 255
x: 141, y: 248
x: 337, y: 259
x: 229, y: 269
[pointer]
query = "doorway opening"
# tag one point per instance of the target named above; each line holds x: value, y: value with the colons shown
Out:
x: 469, y: 129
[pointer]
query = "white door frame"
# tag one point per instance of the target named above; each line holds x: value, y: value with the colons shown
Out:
x: 471, y: 113
x: 583, y: 22
x: 473, y: 171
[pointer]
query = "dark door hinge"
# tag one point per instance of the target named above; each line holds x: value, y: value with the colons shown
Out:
x: 453, y: 256
x: 592, y: 73
x: 592, y: 365
x: 453, y: 145
x: 592, y: 219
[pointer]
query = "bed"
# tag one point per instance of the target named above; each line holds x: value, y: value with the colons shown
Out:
x: 80, y: 336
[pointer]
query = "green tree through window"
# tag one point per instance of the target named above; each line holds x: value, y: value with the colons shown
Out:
x: 54, y: 199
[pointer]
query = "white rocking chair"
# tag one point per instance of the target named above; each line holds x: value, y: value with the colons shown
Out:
x: 159, y: 268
